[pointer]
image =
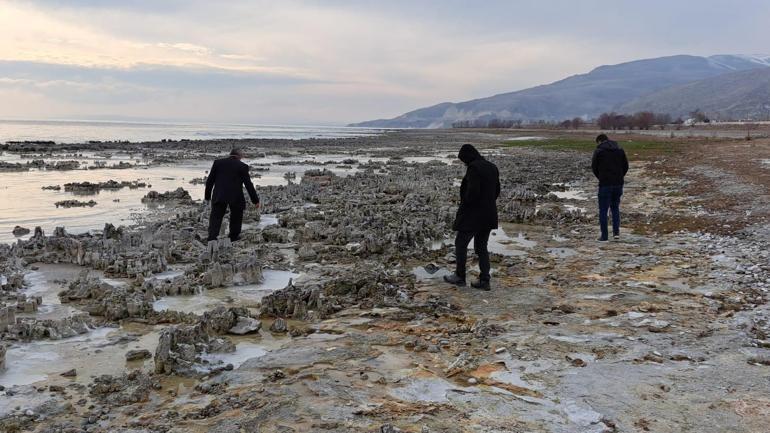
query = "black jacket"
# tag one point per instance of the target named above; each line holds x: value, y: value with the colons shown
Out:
x: 609, y: 163
x: 226, y: 178
x: 478, y: 193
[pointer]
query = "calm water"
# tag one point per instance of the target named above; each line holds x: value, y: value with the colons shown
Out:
x: 83, y: 131
x: 24, y: 202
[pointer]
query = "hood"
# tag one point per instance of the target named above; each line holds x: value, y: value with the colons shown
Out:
x: 608, y: 145
x: 468, y: 154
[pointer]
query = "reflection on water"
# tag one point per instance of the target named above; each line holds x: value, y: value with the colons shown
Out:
x: 241, y: 296
x: 570, y: 195
x: 501, y: 243
x: 561, y: 253
x: 422, y: 274
x: 100, y: 351
x: 45, y: 283
x: 80, y: 131
x: 244, y: 351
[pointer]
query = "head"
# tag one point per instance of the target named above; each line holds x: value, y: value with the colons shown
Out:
x: 468, y: 154
x: 237, y: 153
x: 601, y: 138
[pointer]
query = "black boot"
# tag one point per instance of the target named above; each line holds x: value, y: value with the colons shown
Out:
x: 481, y: 285
x: 455, y: 279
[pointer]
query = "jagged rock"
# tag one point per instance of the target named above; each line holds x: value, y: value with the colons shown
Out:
x: 321, y: 297
x: 36, y: 329
x: 306, y: 252
x: 431, y: 268
x: 75, y: 203
x: 20, y: 231
x: 276, y: 234
x: 133, y: 387
x: 90, y: 187
x: 279, y: 326
x: 102, y: 299
x: 7, y: 318
x: 180, y: 347
x: 179, y: 194
x: 136, y: 355
x: 245, y: 325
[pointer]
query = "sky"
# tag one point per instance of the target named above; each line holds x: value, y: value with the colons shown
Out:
x: 331, y: 62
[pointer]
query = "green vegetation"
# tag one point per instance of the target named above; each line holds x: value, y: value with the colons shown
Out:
x: 586, y: 144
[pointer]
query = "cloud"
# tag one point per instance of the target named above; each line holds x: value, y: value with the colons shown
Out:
x: 190, y: 48
x: 339, y: 61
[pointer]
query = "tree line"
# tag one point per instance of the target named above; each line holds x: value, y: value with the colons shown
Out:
x: 611, y: 120
x: 488, y: 123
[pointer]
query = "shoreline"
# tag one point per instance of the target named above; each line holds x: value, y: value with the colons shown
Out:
x: 347, y: 326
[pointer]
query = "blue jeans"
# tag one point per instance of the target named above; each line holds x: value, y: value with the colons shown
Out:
x: 609, y: 199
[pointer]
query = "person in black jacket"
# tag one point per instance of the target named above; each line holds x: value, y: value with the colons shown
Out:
x: 610, y: 165
x: 476, y: 216
x: 227, y: 178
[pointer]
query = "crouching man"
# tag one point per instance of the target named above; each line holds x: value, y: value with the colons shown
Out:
x: 224, y: 188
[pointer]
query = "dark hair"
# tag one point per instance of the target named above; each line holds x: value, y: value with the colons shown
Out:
x: 601, y: 137
x: 236, y: 152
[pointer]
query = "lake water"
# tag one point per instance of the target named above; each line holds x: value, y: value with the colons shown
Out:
x: 83, y: 131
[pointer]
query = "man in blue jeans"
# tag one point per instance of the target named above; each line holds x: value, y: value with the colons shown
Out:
x: 610, y: 165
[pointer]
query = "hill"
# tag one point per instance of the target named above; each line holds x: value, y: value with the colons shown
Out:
x: 586, y: 95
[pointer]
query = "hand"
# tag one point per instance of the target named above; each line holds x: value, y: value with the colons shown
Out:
x: 256, y: 205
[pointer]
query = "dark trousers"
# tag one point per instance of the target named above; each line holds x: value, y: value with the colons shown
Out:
x: 480, y: 240
x: 236, y: 218
x: 609, y: 199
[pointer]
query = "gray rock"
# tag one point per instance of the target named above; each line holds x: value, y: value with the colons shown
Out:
x: 136, y: 355
x: 245, y: 325
x: 279, y: 326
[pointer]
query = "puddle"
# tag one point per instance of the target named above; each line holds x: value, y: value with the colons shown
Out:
x: 43, y: 283
x: 604, y: 296
x: 264, y: 221
x: 570, y: 194
x: 98, y: 352
x: 248, y: 295
x: 432, y: 390
x: 423, y: 275
x: 437, y: 245
x: 166, y: 275
x: 561, y: 253
x: 501, y: 243
x: 525, y: 138
x: 572, y: 208
x: 244, y: 351
x: 679, y: 284
x: 512, y: 378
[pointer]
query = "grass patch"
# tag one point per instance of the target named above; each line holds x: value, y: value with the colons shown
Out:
x: 631, y: 146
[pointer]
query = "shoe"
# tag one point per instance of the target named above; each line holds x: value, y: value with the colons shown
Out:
x: 236, y: 239
x: 603, y: 239
x: 616, y: 237
x: 481, y: 285
x: 455, y: 279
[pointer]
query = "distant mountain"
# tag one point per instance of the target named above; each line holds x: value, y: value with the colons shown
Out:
x: 739, y: 95
x: 603, y: 89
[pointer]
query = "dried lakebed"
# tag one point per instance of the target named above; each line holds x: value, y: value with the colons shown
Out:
x: 330, y: 314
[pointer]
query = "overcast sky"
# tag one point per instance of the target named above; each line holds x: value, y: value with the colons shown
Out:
x: 333, y: 61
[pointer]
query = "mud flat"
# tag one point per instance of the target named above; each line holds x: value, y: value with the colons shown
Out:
x: 330, y: 315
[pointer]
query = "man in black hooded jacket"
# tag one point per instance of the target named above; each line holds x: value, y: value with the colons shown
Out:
x: 476, y: 216
x: 610, y: 165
